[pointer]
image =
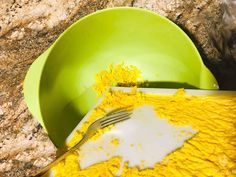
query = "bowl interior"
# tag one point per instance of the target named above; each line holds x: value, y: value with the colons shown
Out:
x: 163, y: 53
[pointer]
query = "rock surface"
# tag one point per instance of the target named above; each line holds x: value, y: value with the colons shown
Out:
x: 29, y: 27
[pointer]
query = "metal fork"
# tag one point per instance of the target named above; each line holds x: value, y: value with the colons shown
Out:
x: 110, y: 118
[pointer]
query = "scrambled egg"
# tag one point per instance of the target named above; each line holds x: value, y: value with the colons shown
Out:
x: 120, y: 74
x: 210, y: 153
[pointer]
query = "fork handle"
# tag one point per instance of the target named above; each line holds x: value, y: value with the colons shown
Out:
x: 58, y: 159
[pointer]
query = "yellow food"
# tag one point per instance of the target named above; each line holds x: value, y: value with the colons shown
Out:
x: 120, y: 74
x: 210, y: 153
x: 115, y: 141
x: 70, y: 168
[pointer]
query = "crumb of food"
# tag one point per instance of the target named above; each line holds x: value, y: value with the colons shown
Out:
x: 142, y: 164
x: 100, y: 148
x: 115, y: 141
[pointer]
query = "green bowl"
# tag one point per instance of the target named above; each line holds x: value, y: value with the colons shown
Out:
x: 58, y: 86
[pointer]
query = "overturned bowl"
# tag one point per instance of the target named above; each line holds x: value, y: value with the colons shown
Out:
x: 58, y: 86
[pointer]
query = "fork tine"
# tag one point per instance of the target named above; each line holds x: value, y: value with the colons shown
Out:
x: 121, y: 113
x: 115, y: 121
x: 114, y: 118
x: 117, y: 110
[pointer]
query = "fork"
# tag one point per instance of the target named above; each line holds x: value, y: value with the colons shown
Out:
x: 112, y: 117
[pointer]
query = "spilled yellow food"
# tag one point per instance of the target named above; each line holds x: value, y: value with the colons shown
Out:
x: 210, y: 153
x: 120, y: 74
